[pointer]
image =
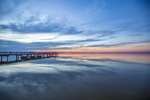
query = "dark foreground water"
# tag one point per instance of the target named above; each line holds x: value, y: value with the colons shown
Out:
x: 78, y: 77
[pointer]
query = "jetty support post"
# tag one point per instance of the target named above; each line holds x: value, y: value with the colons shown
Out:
x: 1, y: 58
x: 7, y: 58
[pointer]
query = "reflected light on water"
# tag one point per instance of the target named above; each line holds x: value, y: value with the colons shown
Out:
x: 77, y: 77
x: 142, y: 58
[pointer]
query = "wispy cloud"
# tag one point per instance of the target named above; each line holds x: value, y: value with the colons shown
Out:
x: 27, y: 38
x: 71, y: 24
x: 34, y: 24
x: 45, y: 37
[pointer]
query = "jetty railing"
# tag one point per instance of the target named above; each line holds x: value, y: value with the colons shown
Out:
x: 21, y: 56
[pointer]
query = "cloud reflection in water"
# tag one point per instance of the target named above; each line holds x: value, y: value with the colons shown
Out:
x: 74, y: 78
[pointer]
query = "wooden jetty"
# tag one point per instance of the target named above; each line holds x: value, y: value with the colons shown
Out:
x: 22, y: 56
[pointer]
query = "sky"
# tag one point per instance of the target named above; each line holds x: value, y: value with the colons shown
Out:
x: 75, y: 25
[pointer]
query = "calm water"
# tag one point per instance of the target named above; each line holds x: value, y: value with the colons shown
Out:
x: 78, y: 77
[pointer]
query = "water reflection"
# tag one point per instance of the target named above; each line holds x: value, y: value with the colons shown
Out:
x: 135, y: 57
x: 77, y: 77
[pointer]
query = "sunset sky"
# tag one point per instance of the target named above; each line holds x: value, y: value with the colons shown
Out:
x: 75, y: 25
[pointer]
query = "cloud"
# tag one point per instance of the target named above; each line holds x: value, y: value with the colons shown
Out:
x: 117, y: 44
x: 13, y: 46
x: 33, y: 41
x: 18, y: 46
x: 96, y: 44
x: 7, y: 7
x: 96, y: 7
x: 28, y: 38
x: 34, y: 24
x: 134, y: 26
x: 50, y: 24
x: 46, y: 37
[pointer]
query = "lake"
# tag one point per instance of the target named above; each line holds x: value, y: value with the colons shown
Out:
x: 78, y: 77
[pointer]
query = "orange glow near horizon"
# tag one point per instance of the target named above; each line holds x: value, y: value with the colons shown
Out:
x: 143, y: 47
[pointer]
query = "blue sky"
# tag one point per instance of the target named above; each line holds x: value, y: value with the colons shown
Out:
x: 68, y: 24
